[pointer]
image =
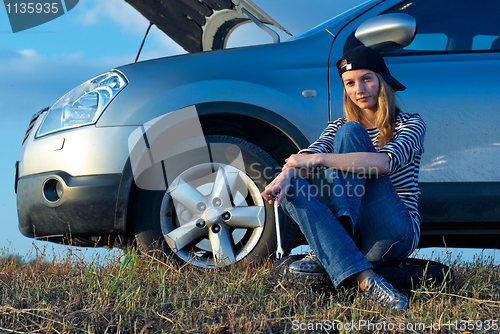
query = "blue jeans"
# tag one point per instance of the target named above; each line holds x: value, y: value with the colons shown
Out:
x: 378, y: 221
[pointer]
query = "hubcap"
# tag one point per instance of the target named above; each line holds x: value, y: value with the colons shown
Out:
x: 212, y: 215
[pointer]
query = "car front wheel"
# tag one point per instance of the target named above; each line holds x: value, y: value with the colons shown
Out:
x: 212, y: 213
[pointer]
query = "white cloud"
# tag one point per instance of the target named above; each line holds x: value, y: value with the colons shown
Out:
x: 28, y: 53
x: 88, y: 18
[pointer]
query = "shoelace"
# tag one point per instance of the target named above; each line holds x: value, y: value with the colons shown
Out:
x: 311, y: 256
x: 384, y: 291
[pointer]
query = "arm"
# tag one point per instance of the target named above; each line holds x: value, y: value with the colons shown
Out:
x: 408, y: 143
x: 300, y: 165
x: 356, y: 162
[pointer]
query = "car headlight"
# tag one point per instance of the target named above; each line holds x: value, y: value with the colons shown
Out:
x: 84, y: 104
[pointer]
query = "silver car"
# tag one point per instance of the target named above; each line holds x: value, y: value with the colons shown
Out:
x: 172, y: 153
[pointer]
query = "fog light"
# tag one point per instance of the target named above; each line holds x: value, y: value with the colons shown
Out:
x: 52, y: 190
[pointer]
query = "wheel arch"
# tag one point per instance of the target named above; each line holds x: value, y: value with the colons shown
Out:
x: 250, y: 122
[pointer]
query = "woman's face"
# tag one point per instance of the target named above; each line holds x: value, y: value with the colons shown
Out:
x: 362, y: 87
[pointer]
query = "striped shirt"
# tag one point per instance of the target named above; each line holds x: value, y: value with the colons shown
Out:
x: 404, y: 150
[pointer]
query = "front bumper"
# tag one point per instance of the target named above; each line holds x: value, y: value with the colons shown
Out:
x: 57, y: 204
x: 71, y: 183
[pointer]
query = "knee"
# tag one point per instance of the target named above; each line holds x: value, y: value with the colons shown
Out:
x: 352, y: 137
x: 351, y: 129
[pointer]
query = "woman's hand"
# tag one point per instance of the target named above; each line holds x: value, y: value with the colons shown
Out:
x: 303, y: 161
x: 279, y: 186
x: 297, y: 165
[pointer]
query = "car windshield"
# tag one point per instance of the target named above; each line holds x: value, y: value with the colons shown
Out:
x: 344, y: 16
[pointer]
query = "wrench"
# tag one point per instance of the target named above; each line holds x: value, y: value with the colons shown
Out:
x: 279, y: 250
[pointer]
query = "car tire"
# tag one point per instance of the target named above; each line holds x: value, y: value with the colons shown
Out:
x: 198, y: 221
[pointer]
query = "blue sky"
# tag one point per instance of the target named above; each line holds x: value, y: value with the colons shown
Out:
x: 39, y: 65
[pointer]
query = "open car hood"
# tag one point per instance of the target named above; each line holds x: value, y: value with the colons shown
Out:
x: 201, y: 25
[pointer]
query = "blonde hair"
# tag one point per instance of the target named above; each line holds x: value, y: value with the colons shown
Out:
x: 386, y: 111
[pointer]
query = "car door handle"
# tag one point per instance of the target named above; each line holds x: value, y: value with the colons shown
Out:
x: 309, y: 93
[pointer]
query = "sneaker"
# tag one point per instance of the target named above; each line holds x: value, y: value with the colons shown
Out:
x: 381, y: 291
x: 309, y: 265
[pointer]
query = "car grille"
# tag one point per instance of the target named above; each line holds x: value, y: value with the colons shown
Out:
x: 32, y: 123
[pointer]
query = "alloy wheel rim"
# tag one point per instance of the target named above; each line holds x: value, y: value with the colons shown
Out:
x: 212, y: 215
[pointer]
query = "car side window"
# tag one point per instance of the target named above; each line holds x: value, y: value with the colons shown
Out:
x: 452, y: 26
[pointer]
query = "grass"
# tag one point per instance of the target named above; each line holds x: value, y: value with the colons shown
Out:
x: 130, y: 293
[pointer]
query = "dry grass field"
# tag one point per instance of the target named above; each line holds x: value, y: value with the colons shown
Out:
x: 130, y: 293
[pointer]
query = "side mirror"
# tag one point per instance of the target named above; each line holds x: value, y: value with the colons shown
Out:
x: 388, y: 32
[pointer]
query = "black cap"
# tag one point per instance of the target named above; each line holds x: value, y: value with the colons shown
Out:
x: 364, y: 58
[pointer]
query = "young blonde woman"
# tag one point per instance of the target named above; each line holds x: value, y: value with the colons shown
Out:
x: 375, y: 154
